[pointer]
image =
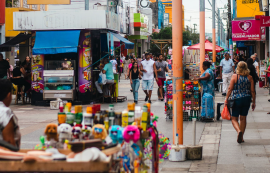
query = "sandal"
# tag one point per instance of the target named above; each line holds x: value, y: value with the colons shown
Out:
x: 240, y: 137
x: 268, y: 112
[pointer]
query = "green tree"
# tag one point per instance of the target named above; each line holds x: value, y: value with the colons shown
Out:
x: 166, y: 33
x: 9, y: 3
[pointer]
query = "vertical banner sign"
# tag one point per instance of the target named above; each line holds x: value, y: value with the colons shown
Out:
x: 85, y: 60
x: 37, y: 67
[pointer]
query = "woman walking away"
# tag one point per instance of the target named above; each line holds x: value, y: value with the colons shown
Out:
x: 126, y: 63
x: 252, y: 72
x: 135, y: 76
x: 242, y: 88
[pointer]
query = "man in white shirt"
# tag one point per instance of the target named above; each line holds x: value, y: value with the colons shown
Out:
x: 123, y: 57
x: 148, y: 68
x: 228, y: 68
x: 256, y: 64
x: 114, y: 63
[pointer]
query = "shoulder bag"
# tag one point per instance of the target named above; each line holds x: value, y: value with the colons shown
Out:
x: 230, y: 103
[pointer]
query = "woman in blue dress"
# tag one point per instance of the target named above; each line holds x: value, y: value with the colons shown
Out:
x: 207, y: 79
x: 208, y: 91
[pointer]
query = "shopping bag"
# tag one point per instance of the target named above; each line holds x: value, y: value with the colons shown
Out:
x: 225, y: 114
x: 102, y: 78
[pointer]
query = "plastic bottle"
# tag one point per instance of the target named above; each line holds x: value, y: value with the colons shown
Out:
x: 138, y: 115
x: 88, y: 117
x: 111, y: 115
x: 70, y: 118
x: 61, y: 107
x: 124, y: 118
x: 69, y: 105
x: 62, y: 117
x: 106, y: 121
x: 145, y: 119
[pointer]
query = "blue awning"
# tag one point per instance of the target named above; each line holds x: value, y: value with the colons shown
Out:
x: 128, y: 44
x: 54, y: 42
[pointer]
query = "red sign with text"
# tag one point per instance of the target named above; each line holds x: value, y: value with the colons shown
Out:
x: 243, y: 30
x: 265, y: 21
x: 2, y: 11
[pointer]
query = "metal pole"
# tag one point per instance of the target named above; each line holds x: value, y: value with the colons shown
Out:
x: 214, y: 29
x: 202, y: 33
x: 177, y: 33
x: 194, y: 131
x: 230, y: 28
x: 218, y: 29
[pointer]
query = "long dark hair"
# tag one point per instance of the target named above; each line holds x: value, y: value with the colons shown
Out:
x: 252, y: 70
x: 127, y: 57
x: 133, y: 65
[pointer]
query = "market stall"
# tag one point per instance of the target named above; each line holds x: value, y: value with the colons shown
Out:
x: 93, y: 140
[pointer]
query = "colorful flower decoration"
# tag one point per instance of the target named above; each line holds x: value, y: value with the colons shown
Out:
x: 164, y: 148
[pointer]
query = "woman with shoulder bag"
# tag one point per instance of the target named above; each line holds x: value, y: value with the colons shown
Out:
x: 242, y: 89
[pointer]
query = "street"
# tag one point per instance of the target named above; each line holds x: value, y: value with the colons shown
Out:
x: 221, y: 152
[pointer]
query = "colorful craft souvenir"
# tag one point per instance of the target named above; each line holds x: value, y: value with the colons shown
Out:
x: 131, y: 133
x: 116, y: 134
x: 51, y: 132
x: 99, y: 131
x: 65, y: 132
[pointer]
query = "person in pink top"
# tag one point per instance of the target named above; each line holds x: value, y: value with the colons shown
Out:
x: 9, y: 74
x: 129, y: 68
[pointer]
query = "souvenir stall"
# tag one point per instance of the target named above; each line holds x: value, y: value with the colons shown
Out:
x: 192, y: 96
x: 94, y: 140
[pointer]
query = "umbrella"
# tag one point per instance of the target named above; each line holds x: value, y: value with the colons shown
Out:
x: 208, y: 47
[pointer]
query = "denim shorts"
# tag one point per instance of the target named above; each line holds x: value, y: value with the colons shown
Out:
x: 148, y: 84
x: 241, y: 106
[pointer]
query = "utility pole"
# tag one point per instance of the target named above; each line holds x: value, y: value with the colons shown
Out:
x: 177, y: 34
x: 202, y: 33
x: 194, y: 27
x: 219, y: 31
x: 230, y: 28
x: 214, y: 29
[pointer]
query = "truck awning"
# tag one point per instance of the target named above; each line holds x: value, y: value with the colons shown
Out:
x: 54, y: 42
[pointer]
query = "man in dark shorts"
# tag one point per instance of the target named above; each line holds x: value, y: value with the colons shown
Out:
x: 162, y: 67
x: 4, y: 67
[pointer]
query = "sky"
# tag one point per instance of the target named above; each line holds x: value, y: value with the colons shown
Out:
x: 192, y: 10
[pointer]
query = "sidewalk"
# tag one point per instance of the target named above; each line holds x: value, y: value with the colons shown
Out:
x: 221, y: 152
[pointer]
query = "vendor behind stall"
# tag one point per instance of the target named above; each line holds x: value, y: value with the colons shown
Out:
x: 108, y: 70
x: 10, y: 131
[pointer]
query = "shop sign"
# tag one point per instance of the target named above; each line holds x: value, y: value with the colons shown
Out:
x: 265, y: 21
x: 246, y: 30
x: 248, y: 8
x: 47, y: 2
x: 166, y: 19
x: 59, y: 20
x: 2, y: 12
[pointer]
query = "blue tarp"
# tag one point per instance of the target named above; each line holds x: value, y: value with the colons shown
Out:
x: 128, y: 44
x: 54, y: 42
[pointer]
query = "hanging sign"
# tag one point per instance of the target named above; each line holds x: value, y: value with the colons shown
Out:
x: 265, y: 21
x: 246, y: 30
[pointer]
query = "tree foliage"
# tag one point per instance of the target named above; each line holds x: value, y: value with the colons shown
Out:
x: 9, y: 3
x: 166, y: 33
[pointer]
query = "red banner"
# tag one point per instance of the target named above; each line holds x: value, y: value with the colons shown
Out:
x: 265, y: 21
x: 2, y: 11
